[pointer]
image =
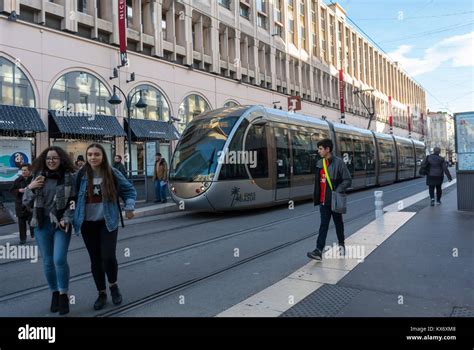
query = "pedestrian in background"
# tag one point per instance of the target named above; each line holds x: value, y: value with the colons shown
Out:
x: 119, y: 165
x: 435, y: 167
x: 79, y: 163
x: 51, y: 197
x: 22, y: 212
x: 160, y: 178
x: 99, y: 187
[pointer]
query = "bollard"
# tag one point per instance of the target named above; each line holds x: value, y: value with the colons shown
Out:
x: 378, y: 204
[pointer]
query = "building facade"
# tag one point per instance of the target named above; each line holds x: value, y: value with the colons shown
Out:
x: 440, y: 127
x: 187, y: 57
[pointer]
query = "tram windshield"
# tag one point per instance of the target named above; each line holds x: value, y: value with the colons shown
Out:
x: 196, y: 155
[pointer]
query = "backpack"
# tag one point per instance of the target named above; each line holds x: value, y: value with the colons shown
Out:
x: 80, y: 174
x: 424, y: 167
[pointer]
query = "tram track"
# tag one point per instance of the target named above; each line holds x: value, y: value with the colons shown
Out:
x: 181, y: 286
x: 167, y: 291
x: 82, y: 276
x: 125, y: 239
x: 153, y: 230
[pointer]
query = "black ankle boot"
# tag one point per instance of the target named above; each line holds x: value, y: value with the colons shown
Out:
x: 101, y: 300
x: 55, y: 302
x: 116, y: 296
x: 63, y: 304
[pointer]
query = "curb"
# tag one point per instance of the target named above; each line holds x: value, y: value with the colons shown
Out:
x: 155, y: 210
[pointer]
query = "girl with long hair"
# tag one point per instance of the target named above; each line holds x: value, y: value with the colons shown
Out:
x: 97, y: 218
x: 50, y: 197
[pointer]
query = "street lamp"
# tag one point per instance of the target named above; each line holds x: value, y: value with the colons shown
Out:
x: 115, y: 100
x: 371, y: 112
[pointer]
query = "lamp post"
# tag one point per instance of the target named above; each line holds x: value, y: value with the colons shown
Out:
x: 115, y: 100
x: 371, y: 112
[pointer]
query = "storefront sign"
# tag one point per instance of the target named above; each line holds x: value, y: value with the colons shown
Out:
x: 13, y: 153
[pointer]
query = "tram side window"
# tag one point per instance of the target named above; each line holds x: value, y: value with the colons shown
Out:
x: 256, y: 145
x: 230, y: 170
x: 409, y: 159
x: 387, y: 157
x: 346, y: 151
x: 360, y: 158
x: 301, y: 143
x: 420, y: 155
x: 370, y: 153
x: 401, y: 157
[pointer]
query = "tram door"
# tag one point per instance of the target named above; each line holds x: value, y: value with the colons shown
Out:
x: 283, y: 165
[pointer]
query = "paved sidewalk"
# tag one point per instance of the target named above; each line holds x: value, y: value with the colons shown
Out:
x: 425, y: 269
x: 415, y: 261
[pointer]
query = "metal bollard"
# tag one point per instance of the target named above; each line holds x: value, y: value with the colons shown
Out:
x: 378, y: 204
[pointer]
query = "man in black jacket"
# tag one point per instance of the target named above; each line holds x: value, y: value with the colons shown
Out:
x: 119, y: 165
x: 339, y: 180
x: 437, y: 168
x: 23, y: 215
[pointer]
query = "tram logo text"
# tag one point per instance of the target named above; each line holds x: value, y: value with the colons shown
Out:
x: 241, y: 197
x: 238, y: 157
x: 37, y: 333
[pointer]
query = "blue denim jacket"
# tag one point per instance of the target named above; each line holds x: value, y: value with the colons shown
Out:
x: 111, y: 212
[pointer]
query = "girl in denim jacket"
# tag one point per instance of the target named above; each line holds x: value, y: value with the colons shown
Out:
x: 97, y: 218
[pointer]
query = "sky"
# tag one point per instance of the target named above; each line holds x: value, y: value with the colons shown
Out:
x: 433, y: 41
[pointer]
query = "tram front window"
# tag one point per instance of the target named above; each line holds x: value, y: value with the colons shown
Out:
x: 197, y: 153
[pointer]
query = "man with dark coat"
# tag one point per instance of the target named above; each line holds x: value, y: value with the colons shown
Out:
x: 119, y: 165
x: 437, y: 167
x: 22, y: 213
x: 339, y: 181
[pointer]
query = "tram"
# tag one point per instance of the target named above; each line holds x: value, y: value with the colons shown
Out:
x: 251, y: 156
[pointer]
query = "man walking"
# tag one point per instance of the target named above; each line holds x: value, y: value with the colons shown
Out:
x: 436, y: 169
x: 119, y: 165
x: 22, y: 213
x: 332, y: 175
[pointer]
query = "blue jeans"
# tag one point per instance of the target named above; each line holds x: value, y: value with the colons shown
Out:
x: 326, y: 214
x: 160, y: 191
x: 54, y: 244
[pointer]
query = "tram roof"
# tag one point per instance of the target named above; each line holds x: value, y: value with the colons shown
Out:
x: 296, y: 117
x: 352, y: 129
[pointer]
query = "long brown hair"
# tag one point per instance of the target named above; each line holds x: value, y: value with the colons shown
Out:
x: 109, y: 191
x: 39, y: 164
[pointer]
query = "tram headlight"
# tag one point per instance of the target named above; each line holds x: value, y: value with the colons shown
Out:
x: 203, y: 188
x: 173, y: 189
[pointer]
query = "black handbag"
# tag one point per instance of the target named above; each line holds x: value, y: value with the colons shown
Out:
x: 6, y: 216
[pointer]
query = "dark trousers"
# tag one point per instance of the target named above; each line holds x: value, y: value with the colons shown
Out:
x: 22, y: 222
x: 326, y: 214
x: 101, y: 245
x: 439, y: 192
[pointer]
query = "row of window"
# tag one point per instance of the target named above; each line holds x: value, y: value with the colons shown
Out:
x: 303, y: 145
x: 83, y: 93
x: 372, y: 68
